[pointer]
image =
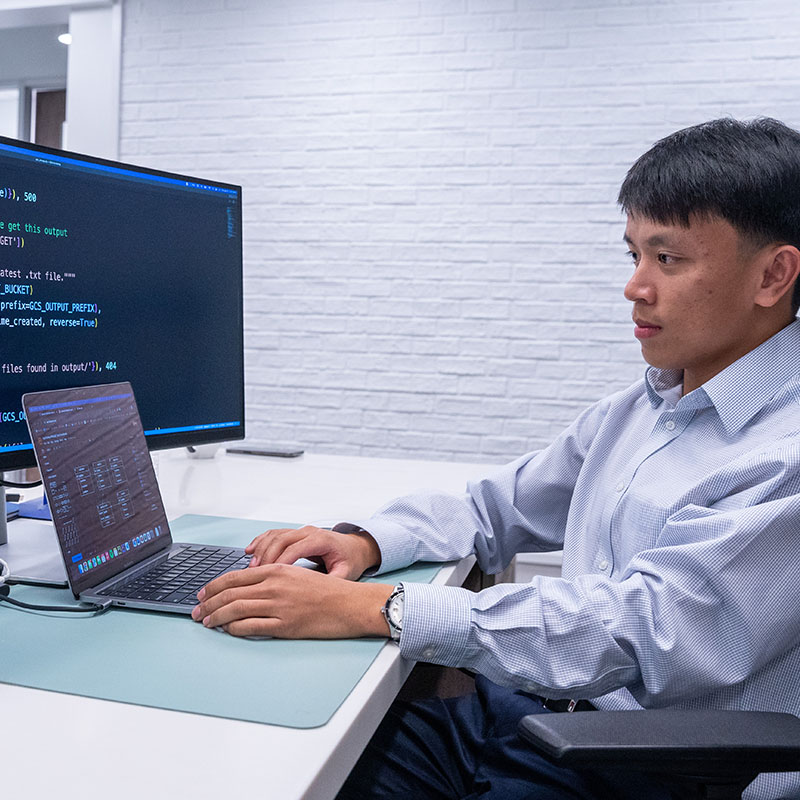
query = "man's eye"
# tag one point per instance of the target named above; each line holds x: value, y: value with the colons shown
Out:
x: 664, y: 258
x: 633, y: 256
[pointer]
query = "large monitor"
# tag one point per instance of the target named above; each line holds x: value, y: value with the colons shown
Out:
x: 110, y: 272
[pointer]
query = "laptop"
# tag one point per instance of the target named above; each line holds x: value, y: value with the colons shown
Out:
x: 106, y: 505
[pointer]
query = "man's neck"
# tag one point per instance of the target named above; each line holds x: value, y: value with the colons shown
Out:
x: 693, y: 380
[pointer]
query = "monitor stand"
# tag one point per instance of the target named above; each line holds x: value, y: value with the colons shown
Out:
x: 3, y: 516
x: 30, y: 509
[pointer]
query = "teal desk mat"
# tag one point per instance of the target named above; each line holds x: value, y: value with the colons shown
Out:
x: 169, y: 661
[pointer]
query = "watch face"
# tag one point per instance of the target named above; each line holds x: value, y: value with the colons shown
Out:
x: 395, y: 611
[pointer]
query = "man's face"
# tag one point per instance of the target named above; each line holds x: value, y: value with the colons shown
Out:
x: 693, y: 295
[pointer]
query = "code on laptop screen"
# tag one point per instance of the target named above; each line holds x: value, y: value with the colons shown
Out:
x: 99, y: 479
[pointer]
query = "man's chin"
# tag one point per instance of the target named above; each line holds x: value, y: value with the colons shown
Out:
x: 659, y: 360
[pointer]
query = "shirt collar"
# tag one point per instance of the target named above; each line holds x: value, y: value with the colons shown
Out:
x: 663, y: 385
x: 743, y: 388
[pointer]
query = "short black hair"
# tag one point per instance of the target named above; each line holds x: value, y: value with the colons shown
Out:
x: 746, y: 172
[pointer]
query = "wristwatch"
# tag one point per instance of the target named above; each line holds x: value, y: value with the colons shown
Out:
x: 393, y: 612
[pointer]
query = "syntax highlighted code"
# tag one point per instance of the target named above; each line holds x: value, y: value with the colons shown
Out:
x: 80, y: 366
x: 53, y: 322
x: 49, y: 306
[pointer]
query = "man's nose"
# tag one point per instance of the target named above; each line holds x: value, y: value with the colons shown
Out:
x: 639, y: 287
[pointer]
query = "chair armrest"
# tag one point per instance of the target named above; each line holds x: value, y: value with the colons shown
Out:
x: 669, y: 741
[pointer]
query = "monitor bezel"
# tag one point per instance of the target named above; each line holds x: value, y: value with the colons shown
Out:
x: 23, y: 459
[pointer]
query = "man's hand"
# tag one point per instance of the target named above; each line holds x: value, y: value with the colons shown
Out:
x: 345, y: 555
x: 292, y: 603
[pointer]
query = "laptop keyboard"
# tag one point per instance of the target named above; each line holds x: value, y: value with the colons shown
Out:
x: 178, y: 579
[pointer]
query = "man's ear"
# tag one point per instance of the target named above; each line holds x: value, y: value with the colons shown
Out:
x: 781, y: 268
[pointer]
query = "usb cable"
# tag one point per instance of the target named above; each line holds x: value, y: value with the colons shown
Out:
x: 7, y: 581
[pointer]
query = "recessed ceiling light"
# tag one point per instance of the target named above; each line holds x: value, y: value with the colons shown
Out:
x: 65, y: 38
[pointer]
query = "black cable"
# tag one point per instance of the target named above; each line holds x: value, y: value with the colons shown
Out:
x: 5, y: 588
x: 12, y: 581
x: 7, y: 580
x: 94, y: 609
x: 12, y: 485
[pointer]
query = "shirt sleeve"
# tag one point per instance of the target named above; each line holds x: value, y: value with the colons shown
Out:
x: 684, y: 618
x: 521, y: 507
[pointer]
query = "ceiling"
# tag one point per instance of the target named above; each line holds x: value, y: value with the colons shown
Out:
x: 32, y: 54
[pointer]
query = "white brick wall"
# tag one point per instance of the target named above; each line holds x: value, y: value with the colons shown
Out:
x: 433, y: 253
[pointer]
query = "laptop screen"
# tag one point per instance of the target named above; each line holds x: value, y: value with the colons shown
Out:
x: 99, y: 479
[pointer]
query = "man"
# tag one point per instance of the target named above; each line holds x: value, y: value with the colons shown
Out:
x: 676, y: 502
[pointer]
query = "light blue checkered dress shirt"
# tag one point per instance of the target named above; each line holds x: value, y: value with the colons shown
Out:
x: 680, y: 523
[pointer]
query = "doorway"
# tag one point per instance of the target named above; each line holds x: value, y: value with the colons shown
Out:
x: 48, y: 113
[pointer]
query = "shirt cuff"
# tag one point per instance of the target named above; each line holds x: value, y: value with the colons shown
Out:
x: 436, y: 623
x: 396, y: 546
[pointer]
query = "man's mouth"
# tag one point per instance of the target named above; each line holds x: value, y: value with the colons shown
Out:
x: 644, y: 329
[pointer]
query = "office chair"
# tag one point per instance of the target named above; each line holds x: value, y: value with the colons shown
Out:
x: 721, y: 751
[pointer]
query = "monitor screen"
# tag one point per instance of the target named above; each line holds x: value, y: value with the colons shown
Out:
x: 110, y: 272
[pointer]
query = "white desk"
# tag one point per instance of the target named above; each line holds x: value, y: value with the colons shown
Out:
x: 76, y: 747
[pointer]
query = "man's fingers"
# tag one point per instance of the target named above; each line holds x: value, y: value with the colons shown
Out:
x: 233, y: 587
x: 309, y: 548
x: 319, y: 546
x: 239, y: 577
x: 259, y: 545
x: 267, y: 535
x: 237, y: 609
x: 341, y: 570
x: 267, y: 548
x: 235, y: 600
x: 253, y: 627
